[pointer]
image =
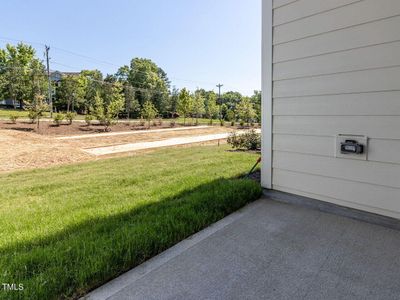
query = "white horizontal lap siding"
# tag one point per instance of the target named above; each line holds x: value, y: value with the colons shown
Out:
x: 305, y: 8
x: 280, y: 3
x: 362, y: 104
x: 384, y: 79
x: 372, y: 57
x: 383, y: 127
x: 336, y: 70
x: 338, y: 18
x: 369, y: 34
x: 380, y: 150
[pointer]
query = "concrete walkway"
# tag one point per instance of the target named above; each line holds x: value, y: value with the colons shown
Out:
x: 95, y: 135
x: 98, y: 151
x: 271, y: 250
x: 156, y: 144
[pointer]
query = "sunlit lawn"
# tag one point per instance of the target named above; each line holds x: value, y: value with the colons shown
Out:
x: 68, y: 229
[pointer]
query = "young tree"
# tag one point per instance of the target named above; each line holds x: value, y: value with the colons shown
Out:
x: 149, y: 112
x: 107, y: 113
x: 185, y: 104
x: 198, y: 108
x: 211, y: 107
x: 37, y: 106
x: 173, y: 102
x: 245, y: 110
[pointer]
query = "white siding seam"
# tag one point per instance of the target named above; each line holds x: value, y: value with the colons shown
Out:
x: 327, y: 156
x: 334, y: 94
x: 337, y: 178
x: 332, y: 136
x: 314, y: 14
x: 279, y: 187
x: 334, y: 52
x: 287, y: 4
x: 333, y: 115
x: 337, y: 73
x: 337, y: 29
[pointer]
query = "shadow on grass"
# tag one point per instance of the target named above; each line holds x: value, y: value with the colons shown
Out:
x: 86, y: 255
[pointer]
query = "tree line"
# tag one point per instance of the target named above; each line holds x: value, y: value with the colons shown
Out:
x: 138, y: 90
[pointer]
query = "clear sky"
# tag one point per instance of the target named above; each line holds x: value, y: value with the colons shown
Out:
x: 197, y: 42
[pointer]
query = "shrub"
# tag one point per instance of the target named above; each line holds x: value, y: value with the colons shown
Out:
x: 250, y: 140
x: 232, y: 123
x: 142, y: 122
x: 172, y: 123
x: 222, y: 122
x: 13, y: 118
x: 32, y: 115
x: 70, y: 116
x: 58, y: 118
x: 242, y: 123
x: 88, y: 119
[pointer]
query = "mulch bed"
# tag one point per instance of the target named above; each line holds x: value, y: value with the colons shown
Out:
x: 76, y: 128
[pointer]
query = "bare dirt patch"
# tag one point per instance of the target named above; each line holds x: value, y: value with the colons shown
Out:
x: 24, y: 150
x: 28, y: 150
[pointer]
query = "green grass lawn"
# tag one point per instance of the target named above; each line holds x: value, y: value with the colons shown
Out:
x: 6, y: 113
x: 69, y: 229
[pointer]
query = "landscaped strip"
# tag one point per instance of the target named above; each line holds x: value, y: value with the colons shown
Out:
x: 70, y: 229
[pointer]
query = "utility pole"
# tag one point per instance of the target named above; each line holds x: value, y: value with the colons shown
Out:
x: 219, y: 86
x: 48, y: 79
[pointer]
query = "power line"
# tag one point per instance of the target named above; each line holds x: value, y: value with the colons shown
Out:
x: 98, y: 60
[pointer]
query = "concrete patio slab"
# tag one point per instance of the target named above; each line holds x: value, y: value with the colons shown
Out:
x: 271, y: 250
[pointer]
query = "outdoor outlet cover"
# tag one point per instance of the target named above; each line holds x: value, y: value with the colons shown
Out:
x: 359, y: 139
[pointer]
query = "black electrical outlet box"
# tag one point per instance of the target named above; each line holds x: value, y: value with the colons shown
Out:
x: 351, y: 147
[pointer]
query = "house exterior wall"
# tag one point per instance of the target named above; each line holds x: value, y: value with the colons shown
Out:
x: 335, y: 70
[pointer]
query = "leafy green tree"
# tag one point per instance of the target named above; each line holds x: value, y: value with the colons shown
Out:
x: 173, y: 102
x: 71, y: 93
x: 149, y: 81
x: 245, y: 110
x: 107, y: 113
x: 230, y: 115
x: 231, y: 99
x: 17, y: 64
x: 211, y: 106
x: 149, y: 112
x: 198, y: 107
x: 93, y: 86
x: 131, y: 103
x: 185, y: 104
x: 37, y: 105
x: 256, y: 100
